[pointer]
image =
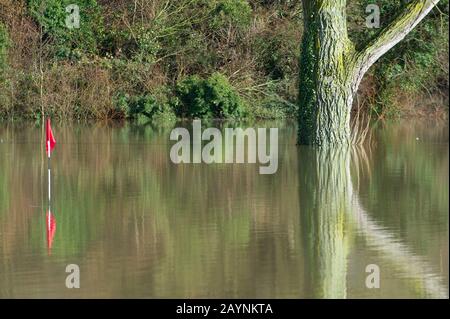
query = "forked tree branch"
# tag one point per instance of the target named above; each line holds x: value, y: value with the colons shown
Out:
x: 395, y: 32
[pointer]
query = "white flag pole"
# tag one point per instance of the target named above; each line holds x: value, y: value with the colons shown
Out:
x: 49, y: 178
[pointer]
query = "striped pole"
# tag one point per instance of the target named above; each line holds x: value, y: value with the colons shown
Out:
x: 49, y: 176
x: 49, y: 186
x: 51, y: 223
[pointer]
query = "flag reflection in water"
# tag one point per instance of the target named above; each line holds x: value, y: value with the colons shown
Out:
x: 51, y: 229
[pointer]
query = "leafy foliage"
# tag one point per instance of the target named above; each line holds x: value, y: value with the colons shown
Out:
x: 231, y: 12
x: 213, y: 97
x: 142, y: 108
x: 126, y: 52
x: 68, y: 43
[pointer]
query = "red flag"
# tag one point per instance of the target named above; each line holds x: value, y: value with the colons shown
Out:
x: 50, y: 141
x: 51, y: 229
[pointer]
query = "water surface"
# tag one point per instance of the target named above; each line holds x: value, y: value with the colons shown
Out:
x: 140, y: 226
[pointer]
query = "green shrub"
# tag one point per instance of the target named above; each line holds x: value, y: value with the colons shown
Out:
x: 69, y: 43
x: 231, y: 12
x: 142, y: 108
x: 213, y: 97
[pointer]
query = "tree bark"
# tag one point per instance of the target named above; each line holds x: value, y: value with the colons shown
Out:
x: 325, y: 91
x: 331, y: 69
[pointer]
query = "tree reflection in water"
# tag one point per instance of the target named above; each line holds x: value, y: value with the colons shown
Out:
x: 330, y: 210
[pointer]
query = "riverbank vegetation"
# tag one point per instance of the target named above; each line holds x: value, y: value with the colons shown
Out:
x: 164, y: 59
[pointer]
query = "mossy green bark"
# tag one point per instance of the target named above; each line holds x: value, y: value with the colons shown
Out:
x: 331, y: 69
x: 324, y: 92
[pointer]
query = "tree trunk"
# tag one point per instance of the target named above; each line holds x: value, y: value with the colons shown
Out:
x: 331, y: 69
x: 325, y: 94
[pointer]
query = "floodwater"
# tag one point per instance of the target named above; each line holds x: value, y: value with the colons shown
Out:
x: 139, y: 226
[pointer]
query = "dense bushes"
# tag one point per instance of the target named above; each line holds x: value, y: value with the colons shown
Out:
x: 213, y: 97
x: 141, y: 108
x: 230, y: 12
x: 152, y: 60
x: 65, y: 42
x: 194, y: 97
